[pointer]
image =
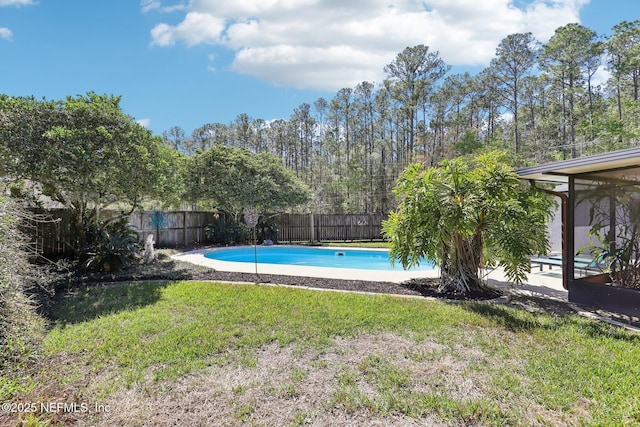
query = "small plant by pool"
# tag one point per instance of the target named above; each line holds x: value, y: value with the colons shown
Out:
x: 365, y: 259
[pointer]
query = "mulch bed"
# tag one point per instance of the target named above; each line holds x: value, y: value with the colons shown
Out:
x: 311, y: 282
x: 417, y: 287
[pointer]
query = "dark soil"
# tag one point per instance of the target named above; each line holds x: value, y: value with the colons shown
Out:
x: 430, y: 288
x: 418, y: 287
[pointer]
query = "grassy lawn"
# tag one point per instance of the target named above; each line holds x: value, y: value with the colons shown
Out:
x: 375, y: 244
x: 156, y: 353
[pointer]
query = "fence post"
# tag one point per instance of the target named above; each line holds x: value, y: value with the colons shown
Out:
x: 184, y: 229
x: 312, y: 227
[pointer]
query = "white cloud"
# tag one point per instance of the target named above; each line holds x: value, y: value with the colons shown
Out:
x: 306, y: 67
x: 601, y: 76
x: 211, y: 67
x: 196, y: 28
x: 144, y: 122
x: 543, y: 18
x: 16, y: 2
x: 149, y: 5
x: 5, y: 33
x: 331, y: 44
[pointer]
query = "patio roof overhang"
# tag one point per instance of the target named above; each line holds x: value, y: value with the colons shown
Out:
x: 622, y: 165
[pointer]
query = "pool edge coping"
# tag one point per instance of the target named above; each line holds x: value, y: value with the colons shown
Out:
x: 197, y: 257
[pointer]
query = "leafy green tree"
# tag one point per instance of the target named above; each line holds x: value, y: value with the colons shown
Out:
x: 413, y: 75
x: 450, y: 116
x: 352, y: 147
x: 623, y: 51
x: 210, y: 134
x: 242, y: 130
x: 177, y: 138
x: 233, y: 178
x: 568, y: 58
x: 515, y: 56
x: 465, y: 214
x: 304, y: 126
x: 467, y: 144
x: 85, y: 154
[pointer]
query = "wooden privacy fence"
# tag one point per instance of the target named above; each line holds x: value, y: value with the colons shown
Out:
x: 171, y: 229
x: 329, y: 227
x: 185, y: 229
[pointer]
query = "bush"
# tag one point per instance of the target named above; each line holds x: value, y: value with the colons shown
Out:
x: 466, y: 214
x: 21, y: 328
x: 266, y: 229
x: 224, y: 230
x: 113, y: 248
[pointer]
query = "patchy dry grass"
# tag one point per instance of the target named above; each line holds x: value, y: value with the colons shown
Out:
x: 192, y: 353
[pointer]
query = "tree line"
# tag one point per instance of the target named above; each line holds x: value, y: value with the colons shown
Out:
x: 542, y: 102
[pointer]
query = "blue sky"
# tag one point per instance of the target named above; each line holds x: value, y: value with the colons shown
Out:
x: 188, y: 63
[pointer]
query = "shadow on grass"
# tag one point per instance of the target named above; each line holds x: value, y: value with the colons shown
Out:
x: 88, y: 302
x: 163, y: 268
x: 531, y: 313
x: 83, y: 296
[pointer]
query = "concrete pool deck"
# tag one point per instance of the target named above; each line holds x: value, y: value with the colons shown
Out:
x: 547, y: 283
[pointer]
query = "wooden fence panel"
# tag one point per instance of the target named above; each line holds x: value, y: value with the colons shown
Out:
x: 194, y: 225
x: 50, y: 234
x: 329, y: 227
x: 293, y: 227
x: 172, y: 228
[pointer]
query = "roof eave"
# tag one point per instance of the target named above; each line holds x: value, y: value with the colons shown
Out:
x: 559, y: 171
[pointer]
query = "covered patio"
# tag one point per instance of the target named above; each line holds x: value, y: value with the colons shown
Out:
x: 600, y: 207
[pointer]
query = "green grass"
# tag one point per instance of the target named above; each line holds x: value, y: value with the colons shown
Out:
x: 152, y: 332
x: 179, y: 326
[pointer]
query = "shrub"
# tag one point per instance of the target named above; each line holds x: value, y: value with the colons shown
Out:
x: 224, y: 230
x: 266, y: 229
x: 113, y: 248
x: 21, y: 328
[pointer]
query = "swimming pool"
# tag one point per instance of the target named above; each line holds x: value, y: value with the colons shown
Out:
x: 362, y: 259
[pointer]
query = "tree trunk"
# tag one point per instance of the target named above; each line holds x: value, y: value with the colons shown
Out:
x: 459, y: 269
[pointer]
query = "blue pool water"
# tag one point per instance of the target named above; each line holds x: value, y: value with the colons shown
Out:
x: 367, y: 259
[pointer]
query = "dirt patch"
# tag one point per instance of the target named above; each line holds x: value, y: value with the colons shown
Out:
x: 285, y: 386
x: 348, y: 383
